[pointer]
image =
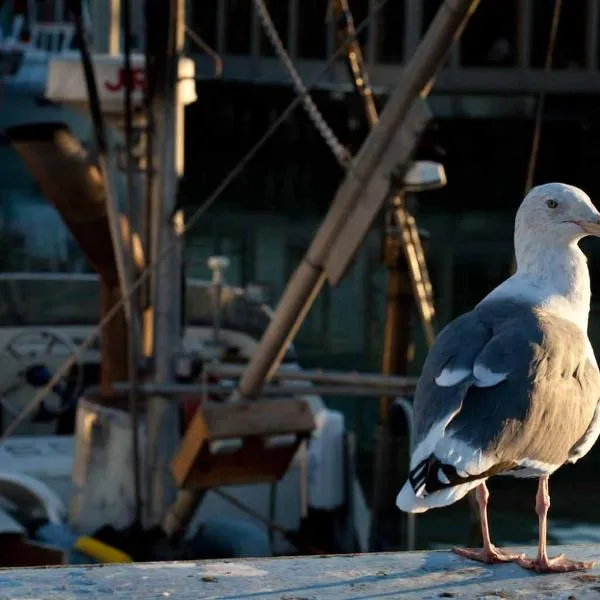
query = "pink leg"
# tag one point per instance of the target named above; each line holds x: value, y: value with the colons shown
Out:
x: 489, y: 553
x: 543, y: 564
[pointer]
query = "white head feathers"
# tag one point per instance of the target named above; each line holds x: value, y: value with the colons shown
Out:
x: 551, y: 269
x: 553, y: 215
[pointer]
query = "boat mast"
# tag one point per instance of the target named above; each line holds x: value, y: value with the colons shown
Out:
x: 331, y: 251
x: 106, y: 26
x: 166, y: 30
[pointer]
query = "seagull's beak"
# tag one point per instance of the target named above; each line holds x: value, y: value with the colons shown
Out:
x: 591, y: 226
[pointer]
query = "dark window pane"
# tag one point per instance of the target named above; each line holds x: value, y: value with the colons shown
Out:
x: 430, y: 8
x: 278, y: 9
x: 203, y: 21
x: 360, y: 10
x: 570, y: 43
x: 490, y: 38
x: 390, y: 32
x: 239, y: 19
x: 312, y: 29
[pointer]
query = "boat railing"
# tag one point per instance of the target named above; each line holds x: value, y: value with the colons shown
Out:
x: 501, y: 51
x: 12, y: 38
x: 53, y: 299
x: 52, y: 37
x: 39, y: 35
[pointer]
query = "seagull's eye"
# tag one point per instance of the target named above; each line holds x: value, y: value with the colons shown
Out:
x: 551, y: 203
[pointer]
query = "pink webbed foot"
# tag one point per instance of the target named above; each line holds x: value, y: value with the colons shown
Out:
x: 489, y: 556
x: 559, y: 564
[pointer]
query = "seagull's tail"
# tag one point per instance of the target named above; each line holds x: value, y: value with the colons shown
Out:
x: 408, y: 501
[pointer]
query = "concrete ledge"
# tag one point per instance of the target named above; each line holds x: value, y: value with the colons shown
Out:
x: 358, y: 577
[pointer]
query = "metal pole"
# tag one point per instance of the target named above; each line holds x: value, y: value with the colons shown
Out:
x: 396, y: 345
x: 399, y: 302
x: 217, y: 264
x: 114, y: 29
x: 132, y: 332
x: 163, y: 415
x: 407, y: 409
x: 272, y: 391
x: 416, y: 81
x: 121, y: 257
x: 228, y: 371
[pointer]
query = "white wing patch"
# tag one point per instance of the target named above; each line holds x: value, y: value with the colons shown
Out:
x: 451, y: 377
x: 466, y: 459
x: 485, y: 377
x: 482, y: 376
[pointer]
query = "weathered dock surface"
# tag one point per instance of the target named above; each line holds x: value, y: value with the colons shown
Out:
x: 379, y: 576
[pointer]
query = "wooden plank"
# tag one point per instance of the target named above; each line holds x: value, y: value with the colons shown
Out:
x: 251, y: 464
x: 250, y: 425
x: 391, y: 575
x: 265, y: 417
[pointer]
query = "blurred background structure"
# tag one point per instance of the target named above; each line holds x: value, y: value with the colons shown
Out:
x: 484, y: 105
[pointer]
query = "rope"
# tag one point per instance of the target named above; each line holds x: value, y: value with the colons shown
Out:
x: 537, y: 130
x: 295, y: 540
x: 202, y: 209
x: 539, y: 113
x: 206, y: 49
x: 340, y: 152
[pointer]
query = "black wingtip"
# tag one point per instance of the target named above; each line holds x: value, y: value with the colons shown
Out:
x: 431, y: 475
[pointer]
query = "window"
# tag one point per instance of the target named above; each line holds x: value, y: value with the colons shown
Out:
x: 229, y: 242
x: 390, y: 33
x: 360, y: 10
x: 490, y: 38
x: 237, y: 31
x: 597, y: 37
x: 203, y: 21
x: 430, y: 8
x: 279, y: 11
x: 569, y: 52
x: 312, y: 29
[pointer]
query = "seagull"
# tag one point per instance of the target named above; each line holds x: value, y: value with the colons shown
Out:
x: 512, y: 387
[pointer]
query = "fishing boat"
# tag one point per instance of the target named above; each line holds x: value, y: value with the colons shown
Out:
x: 44, y: 316
x: 50, y: 302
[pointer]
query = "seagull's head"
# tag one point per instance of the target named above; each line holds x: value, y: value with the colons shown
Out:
x: 559, y: 212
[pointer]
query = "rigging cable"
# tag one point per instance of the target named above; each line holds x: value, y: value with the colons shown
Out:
x: 132, y: 343
x: 340, y: 152
x: 206, y: 49
x: 539, y: 113
x: 198, y: 213
x: 537, y: 130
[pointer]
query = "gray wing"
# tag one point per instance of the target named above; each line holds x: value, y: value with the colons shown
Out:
x: 522, y: 393
x: 589, y: 438
x: 496, y: 337
x: 455, y: 349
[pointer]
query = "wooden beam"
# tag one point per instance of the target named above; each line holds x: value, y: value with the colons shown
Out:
x: 464, y: 80
x: 438, y: 574
x: 61, y: 169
